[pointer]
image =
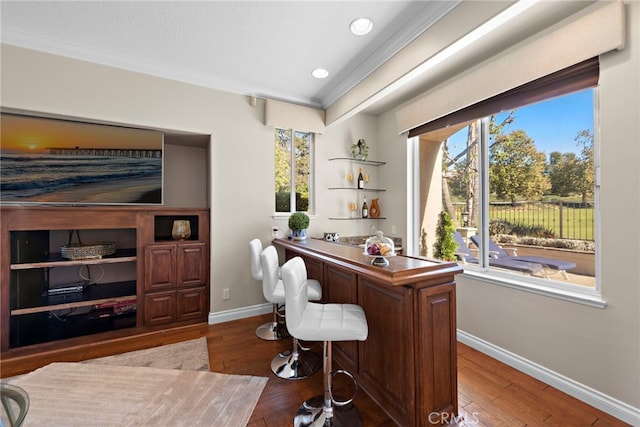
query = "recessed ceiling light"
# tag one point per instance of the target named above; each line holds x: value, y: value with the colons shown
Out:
x: 320, y: 73
x: 361, y: 26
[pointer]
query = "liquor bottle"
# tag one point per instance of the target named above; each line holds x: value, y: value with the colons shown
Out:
x: 360, y: 180
x: 365, y: 209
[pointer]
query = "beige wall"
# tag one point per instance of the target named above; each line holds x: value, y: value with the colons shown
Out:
x: 185, y: 176
x: 599, y: 348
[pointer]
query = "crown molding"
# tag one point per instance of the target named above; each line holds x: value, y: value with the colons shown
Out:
x: 80, y: 52
x: 426, y: 14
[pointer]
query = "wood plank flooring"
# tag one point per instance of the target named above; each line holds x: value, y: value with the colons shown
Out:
x: 490, y: 393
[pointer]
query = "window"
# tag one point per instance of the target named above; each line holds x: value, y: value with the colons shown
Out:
x: 522, y: 179
x: 293, y: 171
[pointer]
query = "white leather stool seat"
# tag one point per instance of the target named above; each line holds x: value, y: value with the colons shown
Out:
x: 255, y: 249
x: 332, y: 322
x: 315, y: 291
x: 318, y: 322
x: 273, y: 287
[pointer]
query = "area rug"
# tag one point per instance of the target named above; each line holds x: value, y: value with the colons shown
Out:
x: 81, y: 394
x: 171, y: 387
x: 190, y: 355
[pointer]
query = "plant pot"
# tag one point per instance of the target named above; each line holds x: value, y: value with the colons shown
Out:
x: 299, y: 234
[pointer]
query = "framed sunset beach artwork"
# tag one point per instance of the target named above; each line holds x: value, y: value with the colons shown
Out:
x: 66, y: 162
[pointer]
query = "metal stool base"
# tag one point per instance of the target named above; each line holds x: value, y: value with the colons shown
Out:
x: 311, y: 413
x: 295, y: 365
x: 272, y: 331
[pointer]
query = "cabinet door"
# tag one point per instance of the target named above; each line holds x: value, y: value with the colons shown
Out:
x: 159, y: 308
x: 192, y: 264
x: 159, y: 267
x: 387, y: 370
x: 436, y: 353
x: 192, y: 304
x: 342, y: 287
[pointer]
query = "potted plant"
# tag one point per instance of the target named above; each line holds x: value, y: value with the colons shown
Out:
x: 360, y: 150
x: 298, y: 223
x: 445, y: 247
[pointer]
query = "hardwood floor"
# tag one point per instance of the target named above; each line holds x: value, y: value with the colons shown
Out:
x: 490, y: 393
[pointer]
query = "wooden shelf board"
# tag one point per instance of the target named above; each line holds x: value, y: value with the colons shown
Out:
x: 353, y: 219
x: 366, y: 162
x: 93, y: 295
x: 357, y: 189
x: 56, y: 260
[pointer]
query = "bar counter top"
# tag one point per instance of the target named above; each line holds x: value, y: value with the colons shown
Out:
x: 402, y: 269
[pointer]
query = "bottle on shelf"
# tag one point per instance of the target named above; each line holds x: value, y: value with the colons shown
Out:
x: 365, y: 209
x: 360, y: 180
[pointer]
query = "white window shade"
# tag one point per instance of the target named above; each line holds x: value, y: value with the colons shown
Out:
x: 291, y: 116
x: 573, y: 41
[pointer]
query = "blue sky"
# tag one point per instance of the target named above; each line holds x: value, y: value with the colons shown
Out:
x: 553, y: 124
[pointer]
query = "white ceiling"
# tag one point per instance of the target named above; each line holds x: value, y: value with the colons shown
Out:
x: 259, y: 48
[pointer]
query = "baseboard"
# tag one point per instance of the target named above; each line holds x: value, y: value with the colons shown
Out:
x: 239, y: 313
x: 605, y: 403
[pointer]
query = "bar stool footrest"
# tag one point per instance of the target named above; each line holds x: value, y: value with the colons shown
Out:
x: 345, y: 402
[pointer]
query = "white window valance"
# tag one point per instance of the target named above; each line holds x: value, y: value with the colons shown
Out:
x: 574, y: 40
x: 292, y: 116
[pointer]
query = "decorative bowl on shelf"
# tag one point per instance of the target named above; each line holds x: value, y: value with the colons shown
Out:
x: 379, y: 247
x: 97, y: 250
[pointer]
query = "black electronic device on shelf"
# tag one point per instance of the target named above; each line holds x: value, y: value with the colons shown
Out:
x: 68, y: 288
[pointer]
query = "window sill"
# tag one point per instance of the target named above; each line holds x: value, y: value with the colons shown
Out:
x: 558, y: 290
x: 286, y: 215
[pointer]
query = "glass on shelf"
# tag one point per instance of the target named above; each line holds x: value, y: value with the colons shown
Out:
x: 353, y: 207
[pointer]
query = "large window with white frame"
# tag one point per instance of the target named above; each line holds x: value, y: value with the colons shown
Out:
x: 293, y: 179
x: 519, y: 191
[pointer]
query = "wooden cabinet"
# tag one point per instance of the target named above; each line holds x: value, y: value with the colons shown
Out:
x: 407, y: 364
x: 159, y: 307
x: 192, y: 264
x: 174, y: 282
x: 192, y: 303
x: 159, y: 267
x: 151, y: 283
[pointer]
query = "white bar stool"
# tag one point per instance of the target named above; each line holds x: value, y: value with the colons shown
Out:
x: 275, y: 330
x: 321, y: 322
x: 13, y: 398
x: 291, y: 364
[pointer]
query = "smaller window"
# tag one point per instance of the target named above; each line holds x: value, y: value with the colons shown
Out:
x: 293, y: 171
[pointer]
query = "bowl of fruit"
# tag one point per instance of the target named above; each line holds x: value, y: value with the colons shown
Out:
x: 379, y: 247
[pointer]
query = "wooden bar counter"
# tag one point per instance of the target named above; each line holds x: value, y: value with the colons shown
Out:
x: 408, y: 362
